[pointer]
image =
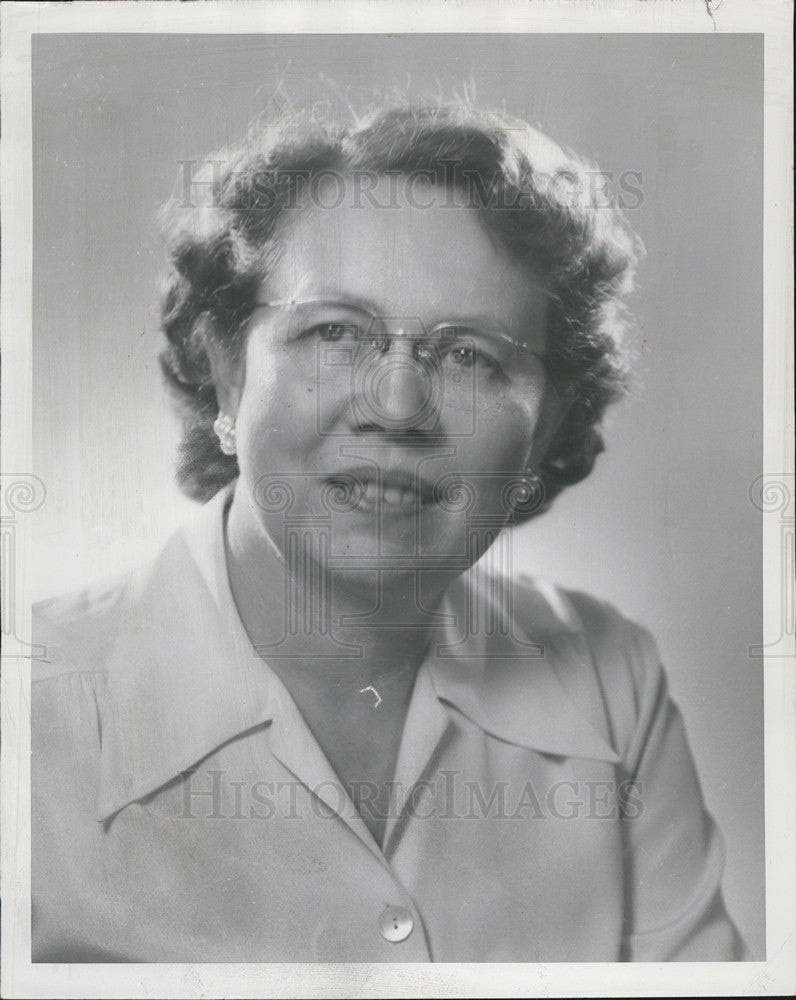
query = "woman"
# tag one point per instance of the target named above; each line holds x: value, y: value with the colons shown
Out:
x: 320, y: 727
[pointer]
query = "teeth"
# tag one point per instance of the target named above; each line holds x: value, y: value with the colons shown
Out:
x: 394, y: 496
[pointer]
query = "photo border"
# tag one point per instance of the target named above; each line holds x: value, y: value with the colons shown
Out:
x: 20, y: 489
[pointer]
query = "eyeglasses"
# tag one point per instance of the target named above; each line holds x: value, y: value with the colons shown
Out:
x: 358, y: 337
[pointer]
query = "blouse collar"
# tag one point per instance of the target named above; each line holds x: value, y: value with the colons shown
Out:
x: 183, y: 662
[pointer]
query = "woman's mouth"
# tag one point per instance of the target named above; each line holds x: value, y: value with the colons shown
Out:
x: 369, y: 490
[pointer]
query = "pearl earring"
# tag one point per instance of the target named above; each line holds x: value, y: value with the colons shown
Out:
x: 224, y: 427
x: 531, y: 493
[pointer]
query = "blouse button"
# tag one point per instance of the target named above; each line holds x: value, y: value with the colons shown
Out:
x: 396, y: 923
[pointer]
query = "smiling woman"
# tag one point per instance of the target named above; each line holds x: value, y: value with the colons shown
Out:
x: 327, y: 724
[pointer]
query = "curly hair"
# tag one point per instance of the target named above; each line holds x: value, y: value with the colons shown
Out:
x: 531, y: 195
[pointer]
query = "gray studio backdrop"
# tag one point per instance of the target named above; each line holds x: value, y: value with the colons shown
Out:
x: 664, y: 528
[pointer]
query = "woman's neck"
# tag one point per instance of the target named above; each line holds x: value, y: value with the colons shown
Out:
x: 317, y: 626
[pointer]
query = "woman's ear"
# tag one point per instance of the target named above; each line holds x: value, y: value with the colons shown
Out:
x: 227, y: 364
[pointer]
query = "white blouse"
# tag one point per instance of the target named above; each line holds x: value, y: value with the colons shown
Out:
x: 546, y: 806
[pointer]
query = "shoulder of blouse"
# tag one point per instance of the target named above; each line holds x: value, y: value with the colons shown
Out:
x: 607, y: 663
x: 76, y: 631
x: 552, y: 669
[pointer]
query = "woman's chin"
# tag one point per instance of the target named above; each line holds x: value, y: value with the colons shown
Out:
x: 384, y: 538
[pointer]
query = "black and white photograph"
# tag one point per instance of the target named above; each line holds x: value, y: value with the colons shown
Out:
x: 396, y: 555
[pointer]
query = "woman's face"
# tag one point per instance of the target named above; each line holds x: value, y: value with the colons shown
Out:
x: 384, y: 410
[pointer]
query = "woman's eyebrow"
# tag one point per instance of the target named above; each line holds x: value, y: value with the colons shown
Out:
x: 475, y: 321
x: 320, y: 297
x: 450, y: 317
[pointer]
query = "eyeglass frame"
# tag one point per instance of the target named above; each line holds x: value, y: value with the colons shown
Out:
x: 286, y: 304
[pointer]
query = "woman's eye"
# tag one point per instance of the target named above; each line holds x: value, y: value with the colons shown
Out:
x: 464, y: 348
x: 463, y: 356
x: 334, y: 331
x: 469, y: 356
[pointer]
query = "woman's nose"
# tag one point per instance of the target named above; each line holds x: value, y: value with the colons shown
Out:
x: 397, y: 391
